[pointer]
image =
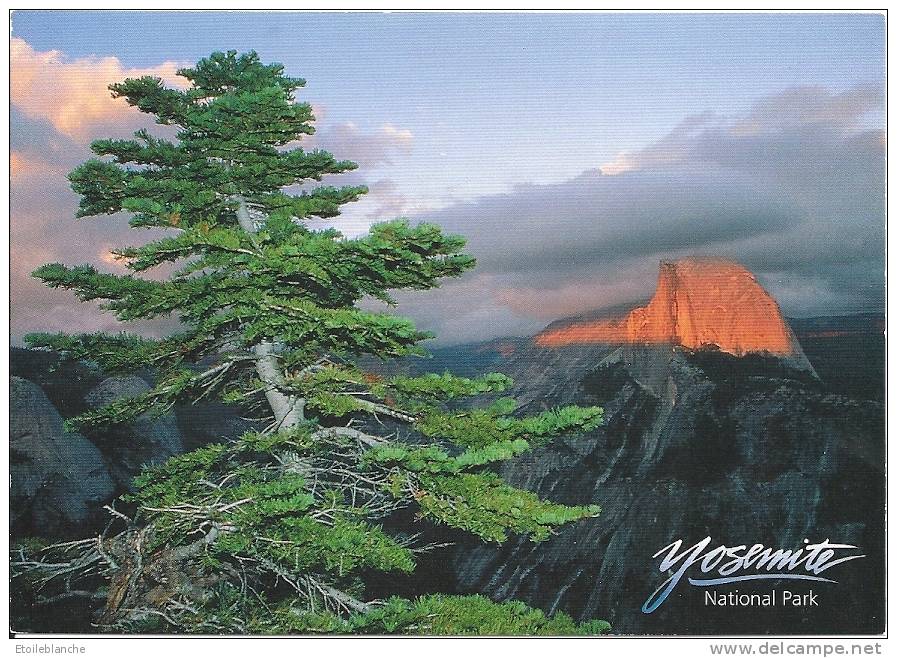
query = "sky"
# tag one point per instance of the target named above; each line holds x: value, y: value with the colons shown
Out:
x: 574, y: 151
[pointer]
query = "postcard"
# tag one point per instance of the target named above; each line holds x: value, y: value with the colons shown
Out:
x: 447, y: 324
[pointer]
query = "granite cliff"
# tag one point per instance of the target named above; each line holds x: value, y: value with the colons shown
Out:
x: 698, y: 303
x: 716, y: 425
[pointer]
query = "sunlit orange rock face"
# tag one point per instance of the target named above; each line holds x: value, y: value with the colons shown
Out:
x: 697, y: 303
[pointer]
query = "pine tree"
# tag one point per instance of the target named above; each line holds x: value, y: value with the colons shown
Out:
x: 274, y: 531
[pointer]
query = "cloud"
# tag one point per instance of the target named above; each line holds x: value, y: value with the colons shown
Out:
x: 369, y: 149
x: 375, y: 152
x: 73, y: 95
x: 777, y: 127
x: 794, y: 189
x: 43, y: 229
x: 58, y: 106
x: 23, y: 166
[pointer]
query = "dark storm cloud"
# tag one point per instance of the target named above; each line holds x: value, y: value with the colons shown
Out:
x: 594, y: 219
x: 794, y: 189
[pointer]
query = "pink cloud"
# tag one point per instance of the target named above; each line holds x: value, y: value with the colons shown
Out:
x: 368, y: 149
x: 73, y: 95
x: 23, y: 166
x: 43, y: 229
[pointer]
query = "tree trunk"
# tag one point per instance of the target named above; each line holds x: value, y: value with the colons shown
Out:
x: 289, y: 410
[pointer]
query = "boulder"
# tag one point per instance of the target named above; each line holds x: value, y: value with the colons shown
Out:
x: 148, y: 440
x: 211, y: 422
x: 58, y: 479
